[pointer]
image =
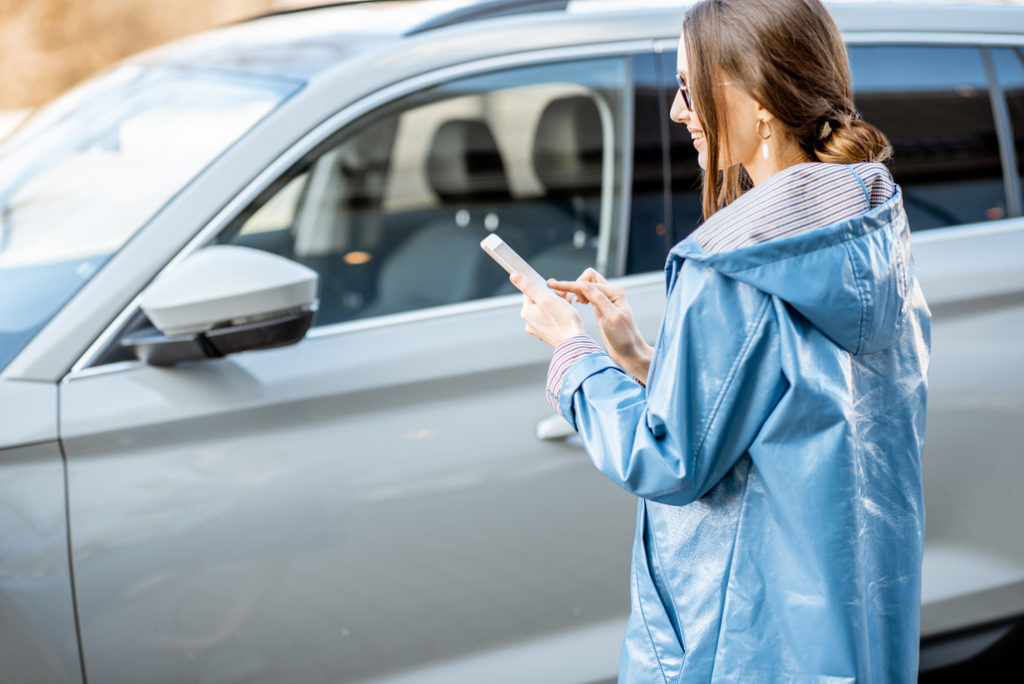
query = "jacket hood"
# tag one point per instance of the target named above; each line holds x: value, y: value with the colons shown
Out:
x: 850, y: 279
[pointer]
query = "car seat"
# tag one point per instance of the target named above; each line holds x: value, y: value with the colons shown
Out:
x: 441, y: 262
x: 568, y: 160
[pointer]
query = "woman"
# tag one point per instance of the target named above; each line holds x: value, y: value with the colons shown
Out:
x: 774, y: 431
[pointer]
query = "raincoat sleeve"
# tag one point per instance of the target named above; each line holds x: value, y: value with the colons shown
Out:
x: 714, y: 379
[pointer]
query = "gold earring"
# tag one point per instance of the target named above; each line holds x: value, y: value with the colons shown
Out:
x: 764, y: 145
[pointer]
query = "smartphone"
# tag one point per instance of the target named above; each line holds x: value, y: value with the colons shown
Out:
x: 509, y: 260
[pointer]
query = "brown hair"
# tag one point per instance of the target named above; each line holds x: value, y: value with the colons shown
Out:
x: 789, y: 56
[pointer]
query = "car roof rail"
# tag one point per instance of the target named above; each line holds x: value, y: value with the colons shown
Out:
x: 487, y: 10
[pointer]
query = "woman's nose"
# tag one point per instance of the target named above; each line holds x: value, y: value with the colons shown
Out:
x: 679, y: 111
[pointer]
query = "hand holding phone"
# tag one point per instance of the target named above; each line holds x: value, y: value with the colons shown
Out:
x: 548, y: 318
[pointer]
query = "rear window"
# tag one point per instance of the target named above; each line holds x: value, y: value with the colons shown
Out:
x: 933, y: 103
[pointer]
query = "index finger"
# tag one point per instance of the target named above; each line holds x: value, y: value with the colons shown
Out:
x: 573, y: 286
x: 566, y: 287
x: 579, y: 287
x: 591, y: 275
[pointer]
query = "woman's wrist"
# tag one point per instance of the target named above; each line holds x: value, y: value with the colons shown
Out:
x: 568, y: 334
x: 639, y: 360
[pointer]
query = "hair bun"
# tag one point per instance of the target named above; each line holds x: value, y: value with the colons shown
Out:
x: 850, y: 141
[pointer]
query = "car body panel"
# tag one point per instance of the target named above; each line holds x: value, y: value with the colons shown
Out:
x: 28, y: 413
x: 39, y: 641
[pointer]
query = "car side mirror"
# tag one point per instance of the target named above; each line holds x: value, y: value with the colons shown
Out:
x: 224, y: 299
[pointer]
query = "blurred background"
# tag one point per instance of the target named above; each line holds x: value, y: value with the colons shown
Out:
x: 47, y: 46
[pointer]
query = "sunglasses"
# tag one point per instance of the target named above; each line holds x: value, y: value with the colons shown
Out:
x: 685, y: 91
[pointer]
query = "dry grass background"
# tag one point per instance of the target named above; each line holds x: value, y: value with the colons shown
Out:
x: 46, y: 46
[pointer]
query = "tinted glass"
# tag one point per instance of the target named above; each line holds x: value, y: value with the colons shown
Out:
x: 1009, y: 64
x: 685, y: 173
x: 933, y: 103
x: 392, y: 211
x: 650, y: 235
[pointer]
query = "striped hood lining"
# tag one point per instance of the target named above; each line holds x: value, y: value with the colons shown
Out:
x: 796, y: 200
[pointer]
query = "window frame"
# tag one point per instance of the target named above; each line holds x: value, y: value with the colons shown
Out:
x: 352, y: 113
x: 1004, y: 130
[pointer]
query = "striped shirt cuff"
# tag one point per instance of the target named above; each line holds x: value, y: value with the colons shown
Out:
x: 566, y: 354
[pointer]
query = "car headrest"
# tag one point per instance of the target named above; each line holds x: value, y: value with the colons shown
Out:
x: 464, y: 163
x: 568, y: 145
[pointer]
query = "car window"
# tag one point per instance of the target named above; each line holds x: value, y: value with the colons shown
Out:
x: 1009, y: 65
x: 87, y: 172
x: 391, y: 211
x: 650, y: 223
x: 933, y: 104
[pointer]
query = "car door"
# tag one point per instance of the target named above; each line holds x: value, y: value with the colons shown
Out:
x: 392, y: 496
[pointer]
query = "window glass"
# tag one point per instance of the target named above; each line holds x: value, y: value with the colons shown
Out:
x: 685, y: 172
x: 391, y: 211
x: 1009, y: 64
x: 87, y: 172
x: 650, y: 235
x: 933, y: 104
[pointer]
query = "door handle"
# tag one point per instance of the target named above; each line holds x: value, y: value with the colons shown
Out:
x: 554, y: 428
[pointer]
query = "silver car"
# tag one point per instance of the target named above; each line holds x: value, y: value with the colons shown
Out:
x: 268, y: 414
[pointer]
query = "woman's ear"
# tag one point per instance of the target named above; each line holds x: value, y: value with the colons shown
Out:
x: 761, y: 112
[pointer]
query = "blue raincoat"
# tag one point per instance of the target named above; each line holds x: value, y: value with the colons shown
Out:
x: 776, y: 447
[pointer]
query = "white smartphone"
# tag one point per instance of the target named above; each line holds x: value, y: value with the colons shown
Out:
x: 509, y: 260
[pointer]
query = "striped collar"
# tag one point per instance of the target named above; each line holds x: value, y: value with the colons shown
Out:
x: 798, y: 199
